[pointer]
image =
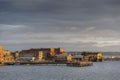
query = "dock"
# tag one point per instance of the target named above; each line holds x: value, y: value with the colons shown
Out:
x: 72, y: 64
x: 40, y: 63
x: 80, y: 64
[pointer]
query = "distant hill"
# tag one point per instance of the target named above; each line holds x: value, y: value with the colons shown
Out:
x: 111, y: 53
x: 104, y: 53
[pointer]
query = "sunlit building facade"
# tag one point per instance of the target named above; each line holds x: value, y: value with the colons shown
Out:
x: 8, y: 57
x: 41, y: 53
x: 1, y: 54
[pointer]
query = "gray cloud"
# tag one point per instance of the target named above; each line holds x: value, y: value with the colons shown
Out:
x: 86, y: 24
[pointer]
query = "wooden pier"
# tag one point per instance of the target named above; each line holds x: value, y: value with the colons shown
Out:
x: 80, y: 64
x: 41, y: 63
x: 72, y: 64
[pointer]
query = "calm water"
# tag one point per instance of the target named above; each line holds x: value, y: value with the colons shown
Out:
x: 99, y: 71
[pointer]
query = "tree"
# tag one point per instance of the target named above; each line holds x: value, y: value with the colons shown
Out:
x: 84, y: 53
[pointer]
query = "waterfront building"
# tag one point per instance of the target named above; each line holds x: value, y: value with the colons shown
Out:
x: 41, y: 56
x: 16, y: 55
x: 8, y: 57
x: 1, y: 54
x: 41, y: 53
x: 69, y: 58
x: 92, y: 56
x: 63, y: 58
x: 77, y: 58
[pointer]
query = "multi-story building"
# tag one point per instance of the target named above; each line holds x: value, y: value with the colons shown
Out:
x: 8, y: 57
x: 1, y: 54
x: 41, y: 56
x: 41, y: 53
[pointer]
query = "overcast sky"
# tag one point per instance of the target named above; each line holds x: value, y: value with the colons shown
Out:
x: 79, y: 25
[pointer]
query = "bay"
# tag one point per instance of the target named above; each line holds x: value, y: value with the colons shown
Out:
x: 108, y: 70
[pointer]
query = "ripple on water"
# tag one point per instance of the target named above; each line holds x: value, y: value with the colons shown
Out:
x: 99, y: 71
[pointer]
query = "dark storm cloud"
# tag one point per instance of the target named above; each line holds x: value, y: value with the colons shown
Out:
x: 27, y: 11
x: 68, y: 23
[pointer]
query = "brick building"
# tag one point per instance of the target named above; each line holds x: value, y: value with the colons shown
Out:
x: 41, y: 53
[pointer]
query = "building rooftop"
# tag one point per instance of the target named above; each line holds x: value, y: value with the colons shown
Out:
x: 77, y: 56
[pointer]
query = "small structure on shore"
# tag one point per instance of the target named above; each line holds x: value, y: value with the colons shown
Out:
x: 77, y: 58
x: 63, y: 58
x: 92, y: 56
x: 80, y: 64
x: 72, y: 60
